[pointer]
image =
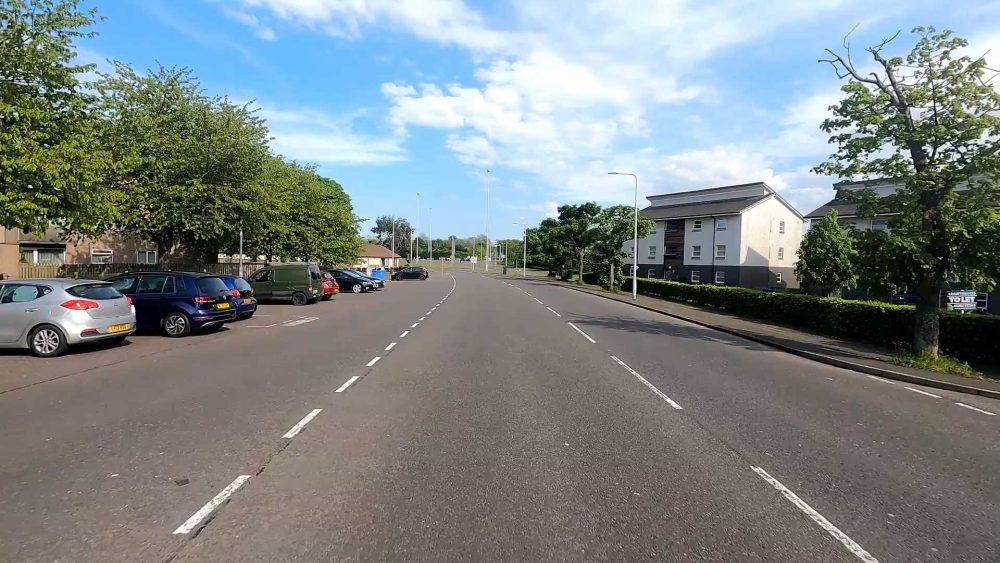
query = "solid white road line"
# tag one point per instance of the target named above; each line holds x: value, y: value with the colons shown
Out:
x: 652, y: 387
x: 539, y: 301
x: 403, y: 335
x: 585, y: 335
x: 390, y: 347
x: 261, y: 326
x: 922, y: 392
x: 301, y: 424
x: 553, y: 311
x: 834, y: 531
x: 414, y: 325
x: 972, y: 408
x: 347, y: 384
x: 882, y: 380
x: 373, y: 361
x: 204, y: 511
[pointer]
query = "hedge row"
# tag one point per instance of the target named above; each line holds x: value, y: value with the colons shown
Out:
x: 967, y: 337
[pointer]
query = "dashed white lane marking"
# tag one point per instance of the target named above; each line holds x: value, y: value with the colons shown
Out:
x: 422, y: 318
x: 652, y: 387
x: 539, y: 301
x: 972, y: 408
x: 414, y: 325
x: 883, y: 380
x: 922, y: 392
x: 526, y: 293
x: 196, y: 518
x: 403, y: 335
x: 834, y: 531
x: 347, y: 384
x: 261, y: 326
x: 301, y: 424
x: 373, y: 361
x: 585, y: 335
x: 390, y: 346
x: 553, y: 311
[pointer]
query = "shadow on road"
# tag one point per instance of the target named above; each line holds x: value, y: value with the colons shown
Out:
x: 670, y: 330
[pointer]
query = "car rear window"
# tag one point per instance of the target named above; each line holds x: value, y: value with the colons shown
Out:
x: 211, y: 286
x: 95, y: 291
x: 241, y: 284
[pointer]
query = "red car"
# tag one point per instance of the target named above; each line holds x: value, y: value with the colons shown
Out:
x: 330, y: 286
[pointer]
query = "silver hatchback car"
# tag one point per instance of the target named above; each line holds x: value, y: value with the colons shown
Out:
x: 49, y: 315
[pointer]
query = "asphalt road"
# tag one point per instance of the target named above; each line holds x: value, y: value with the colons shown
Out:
x: 475, y: 418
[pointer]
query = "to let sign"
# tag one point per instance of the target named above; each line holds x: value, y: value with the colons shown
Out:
x: 962, y: 300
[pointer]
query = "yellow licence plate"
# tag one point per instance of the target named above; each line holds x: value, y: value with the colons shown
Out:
x: 222, y: 306
x: 246, y: 300
x: 118, y: 328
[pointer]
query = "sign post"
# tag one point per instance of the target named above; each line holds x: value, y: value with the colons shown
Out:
x: 963, y: 301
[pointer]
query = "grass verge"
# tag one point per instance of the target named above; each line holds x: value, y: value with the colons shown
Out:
x: 941, y: 364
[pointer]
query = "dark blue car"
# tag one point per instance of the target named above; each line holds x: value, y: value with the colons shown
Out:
x: 177, y: 302
x: 243, y: 299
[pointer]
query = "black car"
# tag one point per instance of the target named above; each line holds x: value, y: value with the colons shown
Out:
x: 379, y: 284
x: 351, y: 281
x: 413, y: 273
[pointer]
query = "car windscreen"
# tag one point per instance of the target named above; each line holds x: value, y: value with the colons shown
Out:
x: 211, y: 286
x: 95, y: 291
x: 230, y: 283
x: 241, y: 284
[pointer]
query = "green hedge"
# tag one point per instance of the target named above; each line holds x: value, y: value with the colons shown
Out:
x: 967, y: 337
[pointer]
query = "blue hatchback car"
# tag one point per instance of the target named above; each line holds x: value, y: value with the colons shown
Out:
x: 177, y: 302
x: 243, y: 299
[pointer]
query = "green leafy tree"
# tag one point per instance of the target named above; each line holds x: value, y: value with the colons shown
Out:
x: 931, y: 123
x: 186, y: 164
x: 882, y: 265
x: 383, y: 231
x: 615, y: 226
x: 577, y: 231
x: 545, y: 249
x: 826, y: 257
x: 52, y: 168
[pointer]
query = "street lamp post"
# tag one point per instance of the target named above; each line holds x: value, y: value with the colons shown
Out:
x: 430, y: 235
x: 635, y: 232
x: 489, y: 249
x: 524, y: 244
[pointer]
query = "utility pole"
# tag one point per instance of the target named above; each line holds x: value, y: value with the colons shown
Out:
x: 488, y: 250
x: 430, y: 235
x: 393, y: 245
x: 418, y: 228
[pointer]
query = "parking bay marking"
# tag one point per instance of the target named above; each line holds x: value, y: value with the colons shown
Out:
x: 209, y: 507
x: 301, y: 424
x: 261, y: 326
x: 301, y: 321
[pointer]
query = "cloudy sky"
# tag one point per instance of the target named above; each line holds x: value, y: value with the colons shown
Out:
x: 396, y: 97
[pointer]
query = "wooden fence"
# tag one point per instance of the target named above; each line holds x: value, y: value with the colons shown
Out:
x: 101, y: 271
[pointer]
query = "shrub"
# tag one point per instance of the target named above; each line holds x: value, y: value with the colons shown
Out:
x: 969, y: 337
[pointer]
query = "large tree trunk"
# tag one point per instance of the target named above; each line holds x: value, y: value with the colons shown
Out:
x: 581, y: 268
x: 611, y: 275
x: 926, y: 326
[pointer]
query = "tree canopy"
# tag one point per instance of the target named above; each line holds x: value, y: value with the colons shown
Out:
x: 826, y: 257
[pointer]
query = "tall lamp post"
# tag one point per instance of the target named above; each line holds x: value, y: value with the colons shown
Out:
x: 489, y: 249
x: 418, y: 228
x: 430, y: 235
x: 524, y: 244
x: 635, y: 232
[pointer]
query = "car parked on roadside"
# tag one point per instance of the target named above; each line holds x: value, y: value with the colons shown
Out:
x: 177, y: 302
x: 379, y: 284
x: 300, y: 283
x: 243, y: 296
x: 352, y: 281
x: 47, y: 316
x: 411, y: 273
x: 330, y: 286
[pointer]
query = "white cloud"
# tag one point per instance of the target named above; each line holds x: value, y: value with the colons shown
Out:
x: 312, y: 136
x: 548, y: 208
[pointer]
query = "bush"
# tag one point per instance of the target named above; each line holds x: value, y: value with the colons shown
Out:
x: 968, y: 337
x: 590, y: 278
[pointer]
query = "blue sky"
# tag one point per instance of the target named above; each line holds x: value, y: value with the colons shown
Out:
x: 392, y: 98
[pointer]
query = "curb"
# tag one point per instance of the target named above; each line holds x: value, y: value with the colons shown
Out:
x: 821, y: 358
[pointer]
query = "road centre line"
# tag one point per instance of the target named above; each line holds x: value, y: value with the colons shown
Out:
x: 553, y: 311
x: 652, y: 387
x: 347, y: 384
x: 539, y: 301
x: 301, y: 424
x: 970, y: 407
x: 196, y: 518
x: 922, y: 392
x: 403, y: 335
x: 585, y: 335
x: 834, y: 531
x: 881, y: 379
x: 414, y: 325
x: 373, y: 361
x: 390, y: 346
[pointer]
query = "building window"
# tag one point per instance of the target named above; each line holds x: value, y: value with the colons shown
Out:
x: 778, y: 276
x: 781, y: 227
x: 653, y: 232
x: 720, y: 252
x: 651, y: 273
x: 673, y: 226
x: 42, y: 256
x: 720, y: 277
x: 145, y: 257
x: 671, y: 251
x: 101, y: 256
x: 652, y: 252
x: 696, y: 252
x: 781, y: 253
x: 695, y: 276
x: 696, y: 225
x: 720, y: 224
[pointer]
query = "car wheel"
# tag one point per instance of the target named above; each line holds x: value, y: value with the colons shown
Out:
x: 47, y: 341
x: 176, y: 325
x: 327, y: 297
x: 356, y: 288
x: 422, y: 278
x: 299, y: 299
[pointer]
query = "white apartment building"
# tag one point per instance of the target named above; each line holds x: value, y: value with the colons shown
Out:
x: 745, y: 235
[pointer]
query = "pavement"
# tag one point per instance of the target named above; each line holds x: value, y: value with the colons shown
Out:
x: 474, y: 418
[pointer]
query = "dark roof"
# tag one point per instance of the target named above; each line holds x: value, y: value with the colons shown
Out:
x: 843, y: 209
x: 709, y: 208
x: 718, y: 189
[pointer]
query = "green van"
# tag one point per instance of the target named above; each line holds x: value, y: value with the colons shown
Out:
x: 299, y: 283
